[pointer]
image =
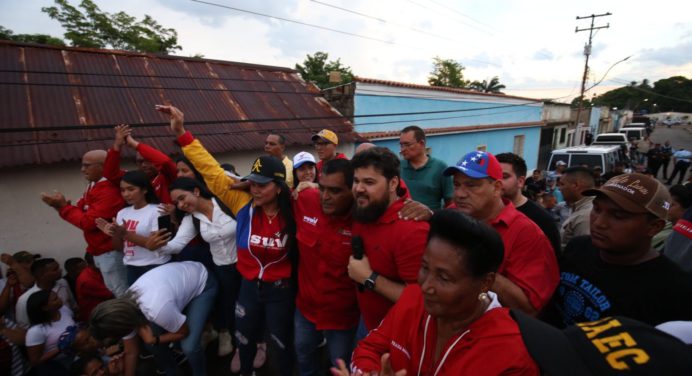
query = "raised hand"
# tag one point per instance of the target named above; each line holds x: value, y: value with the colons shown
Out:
x: 177, y: 118
x: 122, y: 131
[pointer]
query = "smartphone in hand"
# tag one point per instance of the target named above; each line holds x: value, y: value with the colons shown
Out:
x: 165, y: 223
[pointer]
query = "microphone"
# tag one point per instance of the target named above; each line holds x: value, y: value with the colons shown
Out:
x: 357, y: 249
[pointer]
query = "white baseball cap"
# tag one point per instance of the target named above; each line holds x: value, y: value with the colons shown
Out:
x: 301, y: 158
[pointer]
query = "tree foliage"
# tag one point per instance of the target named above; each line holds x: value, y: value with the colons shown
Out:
x: 91, y: 27
x: 30, y: 38
x: 485, y: 86
x: 316, y: 69
x: 447, y: 72
x: 668, y: 94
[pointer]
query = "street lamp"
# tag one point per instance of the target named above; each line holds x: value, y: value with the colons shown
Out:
x: 606, y: 73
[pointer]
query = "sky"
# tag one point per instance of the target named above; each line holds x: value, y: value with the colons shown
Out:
x: 531, y: 46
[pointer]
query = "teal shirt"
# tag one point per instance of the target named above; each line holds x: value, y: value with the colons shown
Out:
x: 426, y: 184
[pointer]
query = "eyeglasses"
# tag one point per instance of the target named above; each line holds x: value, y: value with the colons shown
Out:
x: 320, y: 143
x: 406, y: 145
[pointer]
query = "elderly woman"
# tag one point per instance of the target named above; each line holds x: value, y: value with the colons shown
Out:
x: 167, y: 304
x: 453, y: 323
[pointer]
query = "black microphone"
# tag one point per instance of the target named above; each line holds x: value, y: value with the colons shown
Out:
x: 357, y: 249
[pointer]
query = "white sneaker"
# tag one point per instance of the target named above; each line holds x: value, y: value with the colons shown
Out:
x: 208, y: 336
x: 235, y: 362
x: 225, y: 345
x: 260, y: 356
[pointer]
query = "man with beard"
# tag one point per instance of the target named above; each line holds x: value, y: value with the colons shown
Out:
x: 528, y: 274
x: 393, y: 247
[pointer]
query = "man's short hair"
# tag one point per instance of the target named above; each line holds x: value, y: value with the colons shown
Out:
x: 282, y: 139
x: 682, y: 195
x: 517, y: 162
x: 582, y: 174
x: 342, y: 166
x: 40, y: 264
x: 382, y: 159
x: 418, y: 133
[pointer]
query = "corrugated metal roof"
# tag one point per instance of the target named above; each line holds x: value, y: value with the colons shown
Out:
x: 86, y: 91
x: 435, y: 88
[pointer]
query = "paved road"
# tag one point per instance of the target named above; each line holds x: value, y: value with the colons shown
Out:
x: 679, y: 136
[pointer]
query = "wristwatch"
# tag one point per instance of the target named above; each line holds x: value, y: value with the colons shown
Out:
x: 370, y: 282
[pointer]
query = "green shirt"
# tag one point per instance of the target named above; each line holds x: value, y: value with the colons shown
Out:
x: 426, y: 184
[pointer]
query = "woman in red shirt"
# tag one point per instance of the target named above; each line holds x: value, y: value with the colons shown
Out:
x: 453, y: 323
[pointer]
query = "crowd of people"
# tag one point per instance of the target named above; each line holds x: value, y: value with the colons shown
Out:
x: 379, y: 264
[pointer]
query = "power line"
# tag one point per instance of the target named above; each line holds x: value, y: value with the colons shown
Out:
x: 620, y: 81
x: 145, y: 76
x: 260, y: 120
x: 384, y: 21
x: 155, y: 88
x: 447, y: 15
x: 294, y: 21
x: 231, y: 132
x: 462, y: 14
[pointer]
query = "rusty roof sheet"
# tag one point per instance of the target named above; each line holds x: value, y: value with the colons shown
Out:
x: 58, y: 102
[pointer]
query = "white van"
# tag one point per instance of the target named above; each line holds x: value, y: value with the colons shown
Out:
x: 634, y: 132
x: 604, y: 156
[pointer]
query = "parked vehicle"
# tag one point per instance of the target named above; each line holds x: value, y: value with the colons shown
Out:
x: 604, y: 156
x: 611, y: 139
x: 634, y: 133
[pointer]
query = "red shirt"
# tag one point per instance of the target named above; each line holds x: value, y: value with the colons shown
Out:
x: 529, y: 260
x: 91, y: 290
x: 102, y: 200
x: 394, y: 248
x: 320, y: 163
x: 164, y: 165
x: 326, y: 294
x: 492, y: 345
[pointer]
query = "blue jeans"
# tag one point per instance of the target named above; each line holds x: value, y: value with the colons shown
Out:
x: 224, y: 308
x: 134, y: 272
x: 307, y: 340
x: 260, y: 305
x: 196, y: 313
x: 114, y: 275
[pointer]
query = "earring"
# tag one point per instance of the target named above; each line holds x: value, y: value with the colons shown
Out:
x: 483, y: 297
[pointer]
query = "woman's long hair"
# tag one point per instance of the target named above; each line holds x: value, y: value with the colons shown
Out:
x: 285, y: 210
x: 192, y: 168
x: 139, y: 179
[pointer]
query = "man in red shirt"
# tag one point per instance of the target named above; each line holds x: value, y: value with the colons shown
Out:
x: 325, y: 142
x: 326, y: 305
x: 101, y: 199
x: 160, y: 169
x: 393, y: 247
x: 529, y: 272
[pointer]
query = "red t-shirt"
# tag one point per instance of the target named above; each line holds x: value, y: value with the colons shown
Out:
x: 394, y: 248
x: 529, y: 260
x: 326, y: 294
x: 91, y: 290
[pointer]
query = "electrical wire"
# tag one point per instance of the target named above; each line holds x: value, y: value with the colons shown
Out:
x: 265, y: 120
x: 293, y: 21
x: 462, y: 14
x: 158, y: 88
x: 620, y: 81
x: 448, y: 15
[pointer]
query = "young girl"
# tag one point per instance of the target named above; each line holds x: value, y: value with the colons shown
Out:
x: 49, y: 318
x: 140, y: 217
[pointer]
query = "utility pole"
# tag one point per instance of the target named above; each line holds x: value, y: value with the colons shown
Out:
x: 587, y: 53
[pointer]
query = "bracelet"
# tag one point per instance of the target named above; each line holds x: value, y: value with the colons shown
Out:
x: 157, y: 340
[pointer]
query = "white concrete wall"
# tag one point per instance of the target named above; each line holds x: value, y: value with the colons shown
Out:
x: 26, y: 223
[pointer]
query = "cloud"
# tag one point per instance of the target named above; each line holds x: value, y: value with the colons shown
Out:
x: 543, y: 54
x: 676, y: 55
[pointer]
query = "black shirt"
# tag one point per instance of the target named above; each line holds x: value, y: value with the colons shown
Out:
x: 545, y: 221
x: 654, y: 292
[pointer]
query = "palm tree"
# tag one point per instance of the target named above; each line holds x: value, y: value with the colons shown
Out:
x: 492, y: 86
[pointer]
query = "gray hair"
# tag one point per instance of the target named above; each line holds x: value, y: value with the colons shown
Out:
x: 116, y: 318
